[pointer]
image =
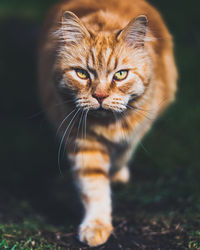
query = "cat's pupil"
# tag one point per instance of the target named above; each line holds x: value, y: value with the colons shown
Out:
x: 81, y: 71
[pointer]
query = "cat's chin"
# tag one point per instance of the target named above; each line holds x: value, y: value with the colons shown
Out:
x: 101, y: 112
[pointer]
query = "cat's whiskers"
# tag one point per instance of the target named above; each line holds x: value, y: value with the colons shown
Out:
x: 64, y: 121
x: 136, y: 110
x: 115, y: 108
x: 151, y: 113
x: 121, y: 104
x: 46, y: 109
x: 83, y: 103
x: 86, y: 113
x: 144, y: 115
x: 63, y: 137
x: 82, y: 131
x: 68, y: 135
x: 77, y: 134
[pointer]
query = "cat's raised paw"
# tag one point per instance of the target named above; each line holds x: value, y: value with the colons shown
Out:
x: 122, y: 175
x: 94, y: 233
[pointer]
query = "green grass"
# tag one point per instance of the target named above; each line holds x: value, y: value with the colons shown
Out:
x: 24, y: 235
x: 194, y: 242
x: 30, y: 231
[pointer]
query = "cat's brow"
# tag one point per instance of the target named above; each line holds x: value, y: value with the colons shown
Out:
x: 93, y: 71
x: 67, y: 69
x: 109, y: 58
x: 113, y: 66
x: 92, y: 56
x: 116, y: 62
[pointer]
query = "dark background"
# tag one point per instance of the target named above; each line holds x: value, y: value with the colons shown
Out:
x: 37, y: 205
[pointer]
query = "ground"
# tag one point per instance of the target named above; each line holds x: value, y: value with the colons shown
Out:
x: 39, y: 208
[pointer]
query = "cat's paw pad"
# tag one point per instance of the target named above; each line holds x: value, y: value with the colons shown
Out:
x: 122, y: 175
x: 94, y: 233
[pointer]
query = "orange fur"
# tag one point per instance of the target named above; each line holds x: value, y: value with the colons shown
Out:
x: 101, y: 38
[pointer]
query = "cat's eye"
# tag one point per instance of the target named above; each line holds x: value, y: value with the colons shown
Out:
x: 120, y: 75
x: 83, y: 74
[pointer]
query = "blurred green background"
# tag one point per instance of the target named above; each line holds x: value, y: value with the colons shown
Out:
x: 36, y: 202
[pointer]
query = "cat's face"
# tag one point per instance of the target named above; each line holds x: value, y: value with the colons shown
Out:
x: 104, y: 71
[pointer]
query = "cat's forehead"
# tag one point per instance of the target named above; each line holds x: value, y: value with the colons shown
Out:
x: 104, y: 53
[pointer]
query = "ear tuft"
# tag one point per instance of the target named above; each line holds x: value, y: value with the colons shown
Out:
x: 73, y: 30
x: 135, y: 32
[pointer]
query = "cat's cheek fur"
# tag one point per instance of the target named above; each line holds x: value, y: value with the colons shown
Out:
x: 137, y: 88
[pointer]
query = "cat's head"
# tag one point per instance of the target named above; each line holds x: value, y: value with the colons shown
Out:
x: 103, y: 70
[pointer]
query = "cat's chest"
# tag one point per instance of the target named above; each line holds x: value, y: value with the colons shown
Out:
x: 120, y: 131
x: 115, y: 133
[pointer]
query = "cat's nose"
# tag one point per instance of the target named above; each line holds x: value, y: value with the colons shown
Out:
x: 100, y: 97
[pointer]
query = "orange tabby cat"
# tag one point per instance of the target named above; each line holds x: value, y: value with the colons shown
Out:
x: 105, y: 67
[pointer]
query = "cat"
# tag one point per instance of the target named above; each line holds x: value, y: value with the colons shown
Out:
x: 106, y: 72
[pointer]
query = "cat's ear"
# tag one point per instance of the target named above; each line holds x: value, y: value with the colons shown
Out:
x: 135, y: 32
x: 73, y: 30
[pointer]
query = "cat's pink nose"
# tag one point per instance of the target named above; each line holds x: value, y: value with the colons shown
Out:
x: 100, y: 96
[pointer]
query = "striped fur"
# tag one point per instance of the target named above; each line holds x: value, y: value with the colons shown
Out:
x: 101, y: 120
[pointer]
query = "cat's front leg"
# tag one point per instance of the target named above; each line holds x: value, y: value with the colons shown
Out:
x: 91, y: 168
